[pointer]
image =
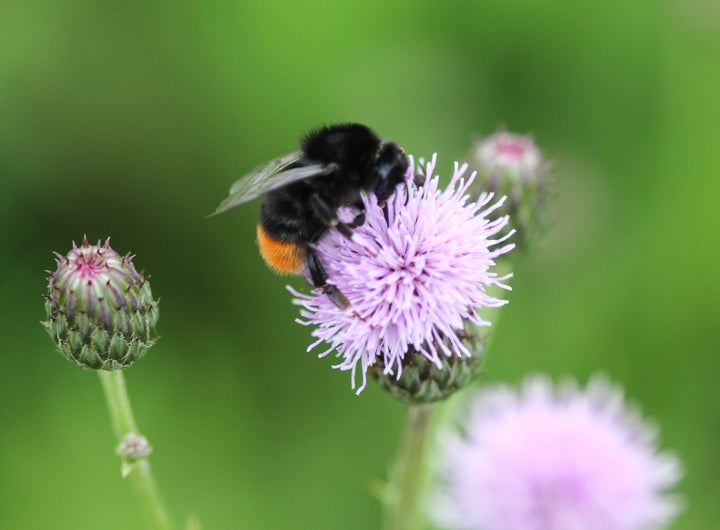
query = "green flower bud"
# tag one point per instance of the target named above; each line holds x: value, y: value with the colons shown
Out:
x: 423, y: 381
x: 512, y: 165
x: 100, y: 310
x: 134, y: 446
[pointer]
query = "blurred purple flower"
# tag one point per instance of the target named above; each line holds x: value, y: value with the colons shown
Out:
x: 555, y: 458
x: 414, y: 273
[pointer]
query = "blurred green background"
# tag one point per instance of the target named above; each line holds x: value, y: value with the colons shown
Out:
x: 132, y: 119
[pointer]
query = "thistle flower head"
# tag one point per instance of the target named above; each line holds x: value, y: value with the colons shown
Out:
x: 101, y: 313
x: 512, y: 165
x: 554, y: 458
x: 415, y: 274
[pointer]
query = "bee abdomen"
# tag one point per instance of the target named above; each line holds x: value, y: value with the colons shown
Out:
x: 284, y: 257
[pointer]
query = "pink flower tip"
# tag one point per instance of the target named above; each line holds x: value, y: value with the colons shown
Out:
x: 415, y: 274
x: 554, y: 457
x: 508, y: 153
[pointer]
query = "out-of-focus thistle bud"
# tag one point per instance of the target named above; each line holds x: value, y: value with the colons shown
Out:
x: 512, y: 165
x: 101, y: 313
x: 134, y: 446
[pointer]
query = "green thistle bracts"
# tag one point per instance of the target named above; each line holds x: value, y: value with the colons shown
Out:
x: 100, y: 310
x: 422, y: 381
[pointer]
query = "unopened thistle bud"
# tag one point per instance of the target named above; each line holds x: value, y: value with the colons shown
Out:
x: 415, y: 278
x: 100, y: 310
x: 512, y: 165
x: 134, y: 446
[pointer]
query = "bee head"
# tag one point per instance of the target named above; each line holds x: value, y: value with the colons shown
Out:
x: 389, y: 170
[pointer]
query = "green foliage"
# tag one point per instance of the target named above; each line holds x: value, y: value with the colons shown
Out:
x: 133, y: 119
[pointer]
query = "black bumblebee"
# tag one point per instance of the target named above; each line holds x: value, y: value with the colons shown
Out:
x: 304, y: 189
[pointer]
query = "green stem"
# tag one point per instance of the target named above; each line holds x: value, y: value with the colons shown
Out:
x: 408, y: 476
x: 123, y: 422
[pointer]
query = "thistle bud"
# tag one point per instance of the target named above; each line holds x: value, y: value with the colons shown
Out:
x: 134, y: 446
x: 100, y: 310
x: 512, y: 165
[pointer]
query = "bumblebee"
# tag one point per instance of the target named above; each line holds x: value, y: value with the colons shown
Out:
x: 304, y: 189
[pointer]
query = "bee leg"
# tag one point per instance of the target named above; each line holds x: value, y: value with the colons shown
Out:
x: 359, y: 219
x: 328, y: 215
x: 319, y: 279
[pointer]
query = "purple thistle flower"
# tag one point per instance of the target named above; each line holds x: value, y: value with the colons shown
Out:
x: 555, y: 458
x: 415, y: 274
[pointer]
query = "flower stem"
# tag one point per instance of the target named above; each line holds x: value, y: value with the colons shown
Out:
x: 123, y: 422
x: 408, y: 476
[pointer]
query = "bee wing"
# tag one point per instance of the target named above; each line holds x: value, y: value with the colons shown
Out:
x: 270, y: 176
